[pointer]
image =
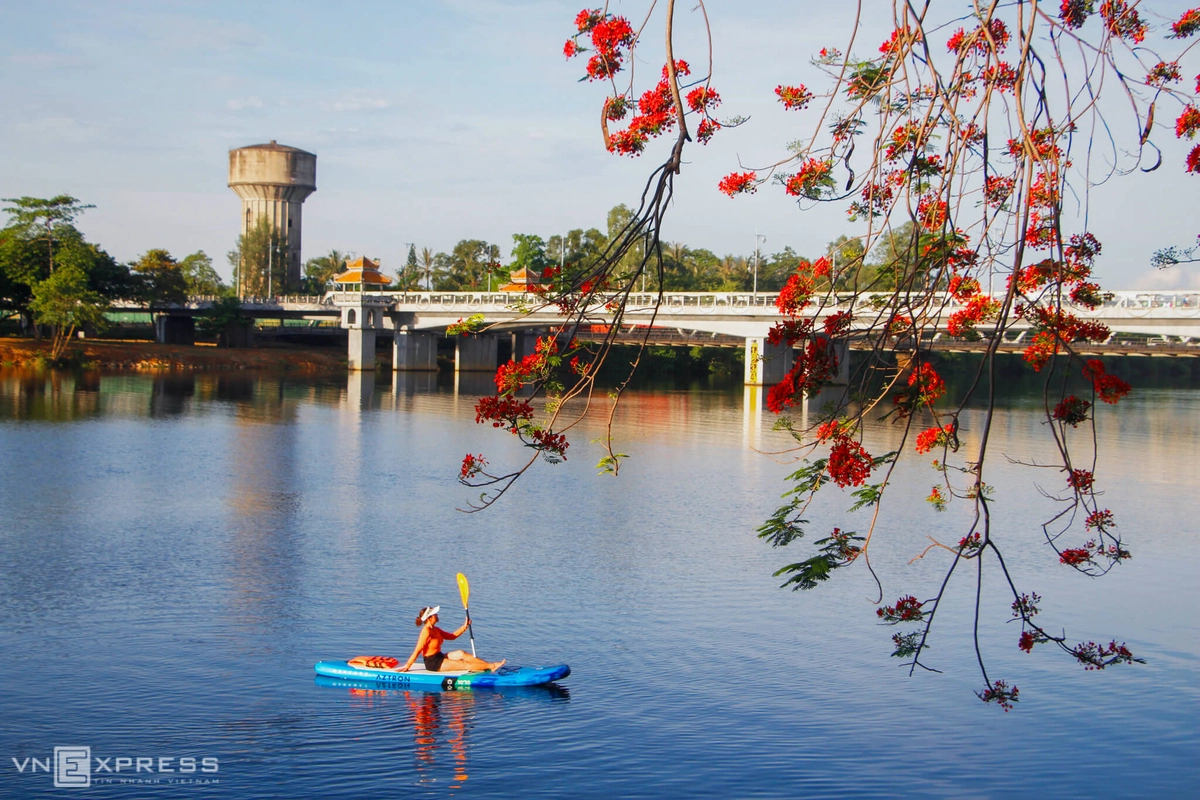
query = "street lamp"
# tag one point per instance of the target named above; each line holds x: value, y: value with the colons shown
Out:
x: 758, y: 240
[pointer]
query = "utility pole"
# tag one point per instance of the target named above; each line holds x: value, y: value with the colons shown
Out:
x: 758, y: 240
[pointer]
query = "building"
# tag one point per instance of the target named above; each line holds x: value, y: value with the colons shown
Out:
x: 273, y: 181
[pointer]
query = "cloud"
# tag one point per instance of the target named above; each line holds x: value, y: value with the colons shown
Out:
x: 358, y: 100
x: 1183, y: 276
x: 240, y: 103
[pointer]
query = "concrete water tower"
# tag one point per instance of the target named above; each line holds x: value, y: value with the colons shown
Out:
x: 273, y: 180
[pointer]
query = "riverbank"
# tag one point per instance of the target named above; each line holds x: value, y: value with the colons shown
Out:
x: 141, y: 355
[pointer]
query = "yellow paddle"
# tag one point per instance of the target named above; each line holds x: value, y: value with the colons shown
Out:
x: 464, y: 590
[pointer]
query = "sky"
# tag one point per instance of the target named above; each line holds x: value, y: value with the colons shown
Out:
x: 439, y: 121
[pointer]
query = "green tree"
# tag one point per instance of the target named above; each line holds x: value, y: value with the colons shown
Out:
x: 319, y: 271
x: 845, y: 254
x: 202, y: 280
x: 409, y: 276
x: 260, y: 261
x: 529, y: 252
x: 163, y: 282
x: 427, y: 263
x: 468, y: 267
x: 65, y: 302
x: 45, y: 220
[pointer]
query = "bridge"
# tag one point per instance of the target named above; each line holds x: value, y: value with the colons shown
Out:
x: 1171, y: 320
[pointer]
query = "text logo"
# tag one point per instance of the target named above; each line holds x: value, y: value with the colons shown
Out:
x: 72, y: 767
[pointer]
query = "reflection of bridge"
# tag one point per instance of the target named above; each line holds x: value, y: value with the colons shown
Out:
x: 415, y: 319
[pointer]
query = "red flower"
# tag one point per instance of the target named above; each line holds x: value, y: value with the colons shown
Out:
x: 1100, y: 520
x: 1075, y: 556
x: 1188, y: 123
x: 838, y: 323
x: 739, y: 183
x: 1193, y: 160
x: 794, y: 98
x: 1186, y: 25
x: 1123, y: 21
x: 1074, y: 13
x: 706, y: 130
x: 1081, y: 480
x: 1109, y: 388
x: 471, y: 466
x: 703, y: 98
x: 1071, y: 411
x: 570, y: 49
x: 934, y: 437
x: 849, y: 463
x: 810, y: 179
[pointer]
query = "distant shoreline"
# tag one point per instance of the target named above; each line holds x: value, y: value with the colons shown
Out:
x: 149, y: 356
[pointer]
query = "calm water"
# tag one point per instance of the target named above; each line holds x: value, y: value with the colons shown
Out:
x: 175, y: 553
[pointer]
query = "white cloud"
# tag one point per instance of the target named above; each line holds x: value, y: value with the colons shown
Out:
x: 358, y: 100
x: 240, y: 103
x: 1183, y: 276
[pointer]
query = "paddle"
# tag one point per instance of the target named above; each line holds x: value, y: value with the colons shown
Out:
x: 464, y: 590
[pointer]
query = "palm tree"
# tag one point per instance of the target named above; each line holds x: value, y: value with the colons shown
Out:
x: 426, y: 261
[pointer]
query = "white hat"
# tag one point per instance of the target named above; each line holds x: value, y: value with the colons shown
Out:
x: 429, y: 612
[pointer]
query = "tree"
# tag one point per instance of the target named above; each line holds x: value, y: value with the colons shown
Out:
x: 468, y: 267
x: 201, y: 279
x: 64, y: 301
x: 163, y: 282
x: 319, y: 271
x: 427, y: 263
x: 39, y: 238
x: 45, y: 220
x: 409, y: 278
x: 260, y: 261
x: 900, y: 137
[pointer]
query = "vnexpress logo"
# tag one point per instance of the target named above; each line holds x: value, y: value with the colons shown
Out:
x: 72, y: 767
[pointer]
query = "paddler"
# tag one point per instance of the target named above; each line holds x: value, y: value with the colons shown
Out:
x: 429, y: 647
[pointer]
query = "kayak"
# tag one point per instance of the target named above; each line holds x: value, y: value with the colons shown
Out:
x: 418, y: 677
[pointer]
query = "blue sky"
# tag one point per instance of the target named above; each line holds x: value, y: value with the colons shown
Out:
x: 432, y: 122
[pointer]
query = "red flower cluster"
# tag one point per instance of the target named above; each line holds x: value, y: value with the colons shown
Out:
x: 997, y: 189
x: 815, y: 364
x: 1071, y: 411
x: 553, y: 445
x: 962, y: 288
x: 503, y: 411
x: 1122, y: 20
x: 1074, y: 13
x: 1109, y: 388
x: 1100, y: 520
x: 970, y: 545
x: 907, y: 609
x: 934, y: 437
x: 739, y: 183
x: 1081, y: 480
x: 809, y: 180
x: 1028, y: 640
x: 657, y: 114
x: 839, y: 323
x: 1094, y: 656
x: 1188, y: 123
x: 1186, y: 25
x: 794, y: 98
x: 796, y: 293
x: 980, y: 39
x: 849, y: 463
x: 610, y: 36
x: 1026, y: 605
x: 1163, y: 73
x: 932, y: 212
x: 827, y: 430
x: 1001, y: 75
x: 1075, y: 556
x: 898, y: 38
x: 1000, y: 694
x: 936, y: 499
x: 471, y: 466
x: 980, y: 308
x: 905, y: 139
x: 925, y: 387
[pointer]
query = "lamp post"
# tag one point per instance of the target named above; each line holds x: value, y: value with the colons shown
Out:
x: 758, y: 240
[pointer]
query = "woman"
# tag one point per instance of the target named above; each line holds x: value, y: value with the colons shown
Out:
x: 429, y: 646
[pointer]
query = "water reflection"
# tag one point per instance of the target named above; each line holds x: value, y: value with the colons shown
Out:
x: 443, y: 722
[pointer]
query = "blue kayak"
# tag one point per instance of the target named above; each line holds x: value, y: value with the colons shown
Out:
x: 424, y: 679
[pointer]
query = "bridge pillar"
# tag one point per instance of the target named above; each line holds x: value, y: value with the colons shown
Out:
x: 523, y: 344
x: 475, y: 354
x: 766, y: 363
x: 413, y: 351
x: 174, y: 330
x: 362, y: 349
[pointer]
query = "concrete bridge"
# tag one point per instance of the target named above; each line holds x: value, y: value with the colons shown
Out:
x: 415, y: 320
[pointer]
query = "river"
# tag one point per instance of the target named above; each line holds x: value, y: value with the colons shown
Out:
x: 177, y: 551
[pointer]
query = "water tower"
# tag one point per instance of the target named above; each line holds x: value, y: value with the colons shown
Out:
x: 273, y: 180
